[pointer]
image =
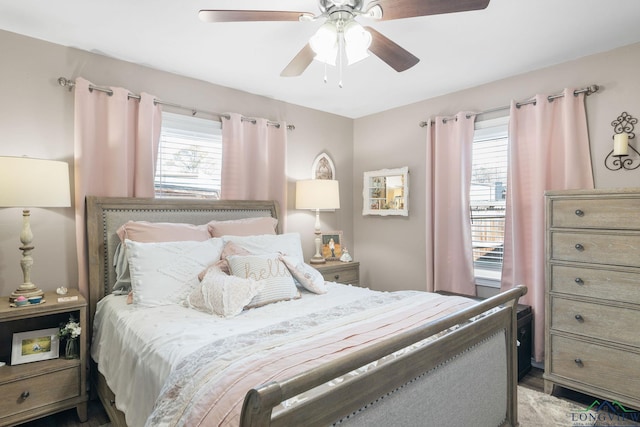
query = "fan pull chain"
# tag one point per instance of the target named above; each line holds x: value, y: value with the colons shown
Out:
x: 340, y: 55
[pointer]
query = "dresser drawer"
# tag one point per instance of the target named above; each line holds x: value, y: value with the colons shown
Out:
x: 596, y: 248
x: 601, y: 322
x: 591, y: 364
x: 616, y: 213
x: 39, y: 391
x: 595, y: 283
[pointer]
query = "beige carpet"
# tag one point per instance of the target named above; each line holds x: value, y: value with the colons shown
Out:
x: 537, y: 409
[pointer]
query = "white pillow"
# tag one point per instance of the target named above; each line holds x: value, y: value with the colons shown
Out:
x: 310, y: 278
x: 278, y: 283
x: 286, y: 244
x: 222, y: 294
x: 164, y: 273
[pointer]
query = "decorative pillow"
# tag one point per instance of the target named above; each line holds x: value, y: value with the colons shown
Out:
x: 222, y: 294
x: 243, y: 227
x: 154, y: 232
x: 230, y: 248
x: 150, y: 232
x: 164, y: 273
x: 286, y: 244
x: 123, y: 277
x: 278, y: 283
x: 310, y: 278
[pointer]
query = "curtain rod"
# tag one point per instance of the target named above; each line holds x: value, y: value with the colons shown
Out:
x: 586, y: 90
x: 64, y: 82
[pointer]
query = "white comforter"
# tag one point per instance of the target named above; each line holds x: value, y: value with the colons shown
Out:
x: 137, y: 348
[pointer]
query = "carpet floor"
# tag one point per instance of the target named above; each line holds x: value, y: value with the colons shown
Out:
x: 537, y: 409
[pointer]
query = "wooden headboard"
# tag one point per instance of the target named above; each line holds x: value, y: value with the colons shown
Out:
x: 106, y: 214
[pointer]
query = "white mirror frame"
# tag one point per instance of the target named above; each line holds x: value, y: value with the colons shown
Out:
x: 375, y: 181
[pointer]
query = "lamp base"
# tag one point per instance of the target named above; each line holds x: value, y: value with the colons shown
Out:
x: 27, y: 293
x: 317, y: 260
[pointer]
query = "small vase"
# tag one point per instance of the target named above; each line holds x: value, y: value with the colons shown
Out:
x: 71, y: 349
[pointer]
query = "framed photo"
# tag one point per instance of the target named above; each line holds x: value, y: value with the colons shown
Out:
x: 331, y: 245
x: 34, y: 346
x: 323, y: 167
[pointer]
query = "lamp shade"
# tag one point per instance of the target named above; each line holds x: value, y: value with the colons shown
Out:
x: 317, y: 194
x: 27, y: 182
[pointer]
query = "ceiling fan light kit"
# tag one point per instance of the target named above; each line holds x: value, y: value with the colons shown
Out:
x: 341, y: 35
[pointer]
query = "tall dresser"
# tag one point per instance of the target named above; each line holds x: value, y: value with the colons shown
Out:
x: 593, y: 293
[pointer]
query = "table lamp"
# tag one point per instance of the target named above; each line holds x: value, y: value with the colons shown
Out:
x: 28, y: 183
x: 317, y: 194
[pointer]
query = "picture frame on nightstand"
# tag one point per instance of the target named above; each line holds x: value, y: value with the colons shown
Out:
x: 34, y: 346
x: 331, y: 245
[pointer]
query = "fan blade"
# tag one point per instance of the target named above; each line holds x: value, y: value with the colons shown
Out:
x: 397, y: 9
x: 390, y: 52
x: 299, y: 63
x: 250, y: 15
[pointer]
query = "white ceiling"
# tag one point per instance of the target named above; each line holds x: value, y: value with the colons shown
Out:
x: 456, y: 51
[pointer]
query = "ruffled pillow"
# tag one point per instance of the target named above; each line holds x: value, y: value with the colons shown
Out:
x: 223, y: 295
x: 230, y: 248
x: 310, y: 278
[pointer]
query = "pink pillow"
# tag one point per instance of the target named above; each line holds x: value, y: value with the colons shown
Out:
x: 154, y: 232
x: 243, y: 227
x: 230, y: 248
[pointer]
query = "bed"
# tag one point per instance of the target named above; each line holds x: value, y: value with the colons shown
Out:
x: 350, y: 356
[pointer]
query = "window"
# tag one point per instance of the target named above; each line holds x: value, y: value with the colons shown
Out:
x: 189, y: 157
x: 487, y: 194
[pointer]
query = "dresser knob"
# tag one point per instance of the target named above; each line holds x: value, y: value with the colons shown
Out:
x: 579, y: 318
x: 579, y: 362
x: 579, y: 247
x: 24, y: 395
x: 579, y: 212
x: 579, y: 281
x: 336, y: 277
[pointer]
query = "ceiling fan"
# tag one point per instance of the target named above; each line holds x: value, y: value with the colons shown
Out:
x: 342, y: 35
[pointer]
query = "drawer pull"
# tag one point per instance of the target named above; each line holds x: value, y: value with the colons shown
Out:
x: 24, y: 395
x: 579, y: 362
x: 579, y: 281
x: 579, y: 212
x: 112, y: 402
x: 579, y: 247
x: 579, y: 318
x: 336, y: 277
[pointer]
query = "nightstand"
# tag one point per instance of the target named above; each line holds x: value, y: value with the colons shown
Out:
x: 341, y: 272
x: 33, y: 390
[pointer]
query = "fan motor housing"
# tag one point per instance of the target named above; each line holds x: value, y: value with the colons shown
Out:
x: 329, y: 5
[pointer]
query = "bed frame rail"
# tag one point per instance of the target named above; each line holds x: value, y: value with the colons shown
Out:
x: 358, y: 392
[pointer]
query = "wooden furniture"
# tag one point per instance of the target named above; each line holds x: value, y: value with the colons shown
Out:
x: 341, y: 272
x: 33, y: 390
x: 593, y: 293
x: 436, y: 372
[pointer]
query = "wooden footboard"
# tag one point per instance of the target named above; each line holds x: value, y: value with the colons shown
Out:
x: 355, y: 394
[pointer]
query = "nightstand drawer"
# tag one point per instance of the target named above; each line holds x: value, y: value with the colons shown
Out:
x: 341, y: 276
x: 41, y: 390
x: 341, y: 272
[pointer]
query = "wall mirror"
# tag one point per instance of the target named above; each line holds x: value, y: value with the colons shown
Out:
x: 386, y: 192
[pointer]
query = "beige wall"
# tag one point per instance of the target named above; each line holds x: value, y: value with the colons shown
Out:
x: 36, y: 120
x: 392, y: 249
